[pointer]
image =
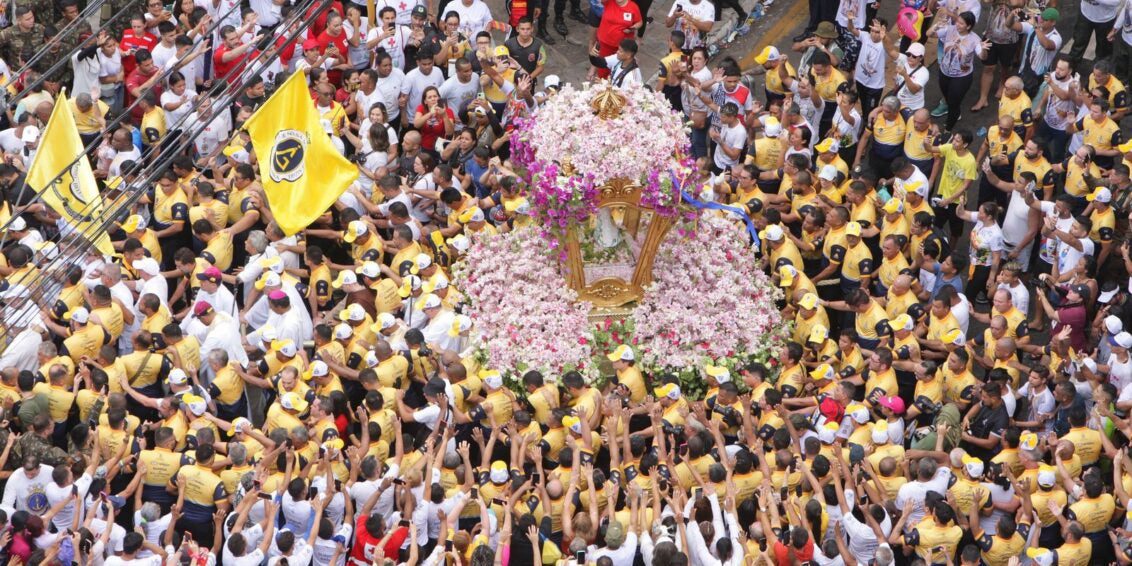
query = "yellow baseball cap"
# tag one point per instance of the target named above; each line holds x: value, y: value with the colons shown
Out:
x: 769, y: 53
x: 622, y: 353
x: 818, y: 334
x: 786, y: 275
x: 354, y: 230
x: 808, y: 301
x: 894, y: 206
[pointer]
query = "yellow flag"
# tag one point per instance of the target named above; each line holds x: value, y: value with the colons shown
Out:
x: 302, y: 173
x: 71, y: 189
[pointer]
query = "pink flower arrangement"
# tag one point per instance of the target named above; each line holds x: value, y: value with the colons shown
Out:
x: 526, y: 316
x: 709, y: 302
x: 644, y: 144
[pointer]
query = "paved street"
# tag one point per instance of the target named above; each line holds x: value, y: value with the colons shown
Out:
x: 782, y: 21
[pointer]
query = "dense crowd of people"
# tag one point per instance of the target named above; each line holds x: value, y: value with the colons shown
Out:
x: 955, y: 387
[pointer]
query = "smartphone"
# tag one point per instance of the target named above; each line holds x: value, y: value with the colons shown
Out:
x: 403, y: 523
x: 580, y: 557
x: 398, y: 481
x: 265, y: 496
x: 475, y: 493
x: 498, y: 501
x: 679, y: 8
x: 448, y: 546
x: 536, y: 478
x: 698, y: 492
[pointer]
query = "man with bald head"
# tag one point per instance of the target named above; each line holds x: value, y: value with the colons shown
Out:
x: 392, y: 369
x: 900, y: 296
x: 1017, y: 326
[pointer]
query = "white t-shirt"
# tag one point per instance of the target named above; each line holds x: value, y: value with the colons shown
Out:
x: 1016, y: 222
x: 456, y: 94
x: 176, y: 118
x: 985, y: 240
x: 735, y: 137
x: 55, y: 494
x: 394, y: 45
x: 147, y: 561
x: 404, y: 9
x: 324, y: 549
x: 1019, y: 296
x: 1100, y: 11
x: 916, y: 491
x: 1068, y: 256
x: 390, y: 88
x: 415, y: 84
x: 623, y: 556
x: 909, y: 99
x: 163, y: 55
x: 365, y: 102
x: 959, y: 51
x: 473, y: 19
x: 703, y: 11
x: 854, y: 7
x: 847, y: 133
x: 1119, y: 373
x: 869, y: 70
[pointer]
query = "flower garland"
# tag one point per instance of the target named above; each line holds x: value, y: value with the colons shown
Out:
x: 565, y: 133
x: 709, y: 304
x: 526, y: 316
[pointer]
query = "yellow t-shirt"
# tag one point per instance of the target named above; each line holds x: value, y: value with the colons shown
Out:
x: 956, y: 170
x: 88, y: 122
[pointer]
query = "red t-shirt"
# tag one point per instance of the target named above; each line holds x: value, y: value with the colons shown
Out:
x: 615, y: 22
x: 221, y: 69
x: 131, y: 41
x: 365, y: 543
x: 286, y: 50
x: 134, y: 80
x: 786, y: 555
x: 519, y: 8
x: 433, y: 128
x: 324, y: 41
x: 319, y: 24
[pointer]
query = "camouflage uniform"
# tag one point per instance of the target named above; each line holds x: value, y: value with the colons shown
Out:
x: 111, y: 8
x: 14, y: 41
x: 44, y: 10
x: 63, y: 74
x: 31, y: 443
x: 81, y: 31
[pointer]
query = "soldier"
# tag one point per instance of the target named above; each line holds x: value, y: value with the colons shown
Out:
x: 25, y: 36
x: 122, y: 23
x: 44, y: 10
x: 78, y: 33
x: 63, y: 75
x: 37, y: 442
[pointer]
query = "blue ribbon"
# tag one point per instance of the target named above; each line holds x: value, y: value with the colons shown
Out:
x: 699, y: 205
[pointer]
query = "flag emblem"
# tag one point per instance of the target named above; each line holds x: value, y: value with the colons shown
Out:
x: 288, y: 156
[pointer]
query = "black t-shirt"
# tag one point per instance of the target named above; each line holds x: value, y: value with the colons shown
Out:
x: 985, y: 423
x: 528, y: 56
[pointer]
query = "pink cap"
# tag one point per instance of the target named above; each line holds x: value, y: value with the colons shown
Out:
x: 896, y: 404
x: 202, y: 308
x: 211, y: 274
x: 311, y: 44
x: 276, y: 295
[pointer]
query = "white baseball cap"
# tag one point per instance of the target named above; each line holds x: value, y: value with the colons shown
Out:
x: 1113, y: 324
x: 1124, y: 340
